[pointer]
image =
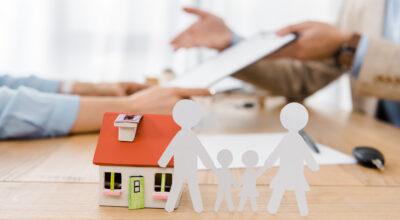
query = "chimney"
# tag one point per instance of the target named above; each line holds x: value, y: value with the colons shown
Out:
x: 127, y: 125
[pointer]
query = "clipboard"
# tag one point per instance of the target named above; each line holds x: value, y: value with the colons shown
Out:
x: 231, y: 60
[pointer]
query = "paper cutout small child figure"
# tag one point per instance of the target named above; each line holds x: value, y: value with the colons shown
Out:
x: 185, y: 147
x: 292, y: 152
x: 248, y: 180
x: 225, y: 180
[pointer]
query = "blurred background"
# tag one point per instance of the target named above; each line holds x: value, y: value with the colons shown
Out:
x: 116, y: 40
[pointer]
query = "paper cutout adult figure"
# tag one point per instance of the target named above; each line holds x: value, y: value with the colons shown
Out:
x: 185, y: 147
x: 248, y: 180
x: 225, y: 179
x: 292, y: 152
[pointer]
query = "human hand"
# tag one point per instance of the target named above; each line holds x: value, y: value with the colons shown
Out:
x: 159, y: 100
x: 151, y: 100
x: 107, y: 89
x: 209, y: 31
x: 316, y: 40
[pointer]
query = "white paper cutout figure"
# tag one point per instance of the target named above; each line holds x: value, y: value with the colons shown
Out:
x: 185, y: 147
x: 225, y: 180
x: 292, y: 152
x: 248, y: 180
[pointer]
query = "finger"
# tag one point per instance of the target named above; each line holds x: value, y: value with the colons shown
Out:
x: 186, y: 93
x: 291, y: 29
x: 179, y: 36
x: 177, y: 44
x: 286, y: 30
x: 178, y: 39
x: 187, y: 41
x: 132, y: 87
x: 189, y: 44
x: 197, y: 12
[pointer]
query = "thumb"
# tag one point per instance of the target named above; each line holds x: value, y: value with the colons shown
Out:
x: 192, y: 92
x: 290, y: 29
x: 197, y: 12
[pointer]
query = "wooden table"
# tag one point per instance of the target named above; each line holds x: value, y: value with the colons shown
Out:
x: 55, y: 178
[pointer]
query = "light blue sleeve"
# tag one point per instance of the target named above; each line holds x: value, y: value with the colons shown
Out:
x: 28, y: 113
x: 34, y: 82
x: 235, y: 39
x: 359, y: 56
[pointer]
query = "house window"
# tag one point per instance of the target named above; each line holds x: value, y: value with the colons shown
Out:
x: 136, y: 186
x: 112, y: 180
x: 162, y: 182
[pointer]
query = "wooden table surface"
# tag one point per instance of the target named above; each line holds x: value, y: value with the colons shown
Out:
x: 55, y: 178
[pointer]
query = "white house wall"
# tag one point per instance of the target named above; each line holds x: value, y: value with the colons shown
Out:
x: 126, y: 172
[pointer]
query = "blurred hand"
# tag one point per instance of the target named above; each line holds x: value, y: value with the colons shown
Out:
x: 107, y: 89
x: 209, y: 31
x: 158, y: 100
x: 316, y: 40
x: 154, y: 100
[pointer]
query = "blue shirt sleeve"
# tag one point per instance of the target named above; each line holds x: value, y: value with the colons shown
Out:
x: 235, y: 39
x: 43, y: 85
x: 28, y: 113
x: 359, y: 56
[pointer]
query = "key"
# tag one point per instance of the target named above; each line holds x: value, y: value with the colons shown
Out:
x: 369, y: 157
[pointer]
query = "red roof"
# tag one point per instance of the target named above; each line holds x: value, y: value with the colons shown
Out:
x: 152, y: 137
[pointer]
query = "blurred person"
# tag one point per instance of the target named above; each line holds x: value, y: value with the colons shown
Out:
x: 365, y: 42
x: 31, y: 107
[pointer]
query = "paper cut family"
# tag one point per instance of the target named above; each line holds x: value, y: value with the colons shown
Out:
x: 159, y: 139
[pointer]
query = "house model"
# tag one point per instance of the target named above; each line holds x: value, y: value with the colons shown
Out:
x: 129, y: 171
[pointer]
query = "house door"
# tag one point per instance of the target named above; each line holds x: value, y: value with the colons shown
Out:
x: 136, y: 192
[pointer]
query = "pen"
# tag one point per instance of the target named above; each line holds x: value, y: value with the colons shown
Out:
x: 308, y: 140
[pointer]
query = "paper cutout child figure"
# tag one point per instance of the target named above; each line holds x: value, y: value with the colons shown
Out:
x: 248, y: 180
x: 292, y: 152
x: 185, y: 147
x: 225, y: 179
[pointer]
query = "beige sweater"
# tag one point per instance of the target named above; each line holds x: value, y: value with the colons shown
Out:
x: 379, y: 74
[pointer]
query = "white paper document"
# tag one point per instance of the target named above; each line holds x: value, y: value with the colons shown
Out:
x: 263, y: 144
x: 231, y: 60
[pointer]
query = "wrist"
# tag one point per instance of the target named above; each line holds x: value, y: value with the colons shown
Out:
x: 126, y: 104
x: 345, y: 55
x: 83, y: 89
x: 229, y: 39
x: 67, y: 87
x: 92, y: 109
x: 345, y: 37
x: 234, y: 38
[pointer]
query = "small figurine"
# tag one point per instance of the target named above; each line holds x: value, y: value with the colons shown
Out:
x: 185, y: 147
x: 248, y: 180
x: 225, y: 179
x: 292, y: 152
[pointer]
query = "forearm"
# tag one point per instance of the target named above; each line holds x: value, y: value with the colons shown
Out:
x: 87, y: 89
x: 291, y: 78
x: 92, y: 109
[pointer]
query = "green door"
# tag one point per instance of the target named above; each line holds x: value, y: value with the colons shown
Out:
x: 136, y: 192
